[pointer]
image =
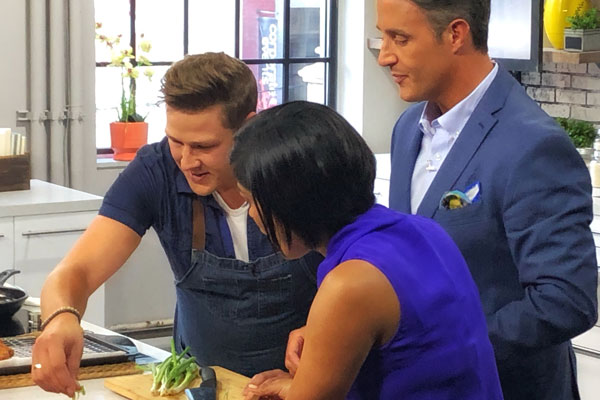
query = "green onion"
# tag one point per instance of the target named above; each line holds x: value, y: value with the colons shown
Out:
x: 78, y: 392
x: 174, y: 374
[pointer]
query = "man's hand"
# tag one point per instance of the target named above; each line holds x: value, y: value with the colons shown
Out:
x: 57, y: 354
x: 293, y: 352
x: 273, y: 384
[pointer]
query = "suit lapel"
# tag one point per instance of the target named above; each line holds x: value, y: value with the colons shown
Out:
x: 461, y: 153
x: 470, y: 139
x: 404, y: 165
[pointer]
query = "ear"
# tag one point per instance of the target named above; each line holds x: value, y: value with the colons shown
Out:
x: 458, y: 35
x: 250, y: 115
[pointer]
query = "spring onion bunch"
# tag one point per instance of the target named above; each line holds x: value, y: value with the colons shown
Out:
x: 174, y: 374
x: 78, y: 392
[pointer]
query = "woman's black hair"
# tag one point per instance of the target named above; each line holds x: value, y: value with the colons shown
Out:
x: 307, y: 168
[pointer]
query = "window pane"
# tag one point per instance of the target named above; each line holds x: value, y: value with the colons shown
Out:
x: 262, y: 29
x: 108, y: 98
x: 148, y: 99
x: 211, y: 26
x: 114, y: 16
x: 269, y: 79
x: 307, y: 28
x: 307, y: 82
x: 161, y: 22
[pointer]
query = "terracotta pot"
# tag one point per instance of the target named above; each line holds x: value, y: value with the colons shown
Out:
x: 126, y: 138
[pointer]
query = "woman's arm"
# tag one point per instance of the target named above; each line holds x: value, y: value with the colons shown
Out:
x: 355, y: 309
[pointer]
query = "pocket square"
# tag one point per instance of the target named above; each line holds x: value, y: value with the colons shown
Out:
x: 457, y: 199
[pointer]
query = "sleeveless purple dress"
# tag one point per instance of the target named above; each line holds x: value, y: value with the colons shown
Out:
x: 441, y: 349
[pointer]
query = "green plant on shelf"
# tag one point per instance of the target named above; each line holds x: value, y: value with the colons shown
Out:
x: 582, y: 133
x: 588, y: 19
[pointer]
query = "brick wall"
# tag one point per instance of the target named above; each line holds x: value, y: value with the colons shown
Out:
x: 566, y: 90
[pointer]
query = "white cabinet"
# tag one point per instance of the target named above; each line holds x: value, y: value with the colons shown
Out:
x: 6, y: 245
x: 42, y: 241
x: 382, y: 191
x: 38, y: 227
x: 587, y: 349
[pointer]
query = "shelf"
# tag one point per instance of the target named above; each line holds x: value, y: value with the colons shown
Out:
x: 374, y: 43
x: 570, y: 57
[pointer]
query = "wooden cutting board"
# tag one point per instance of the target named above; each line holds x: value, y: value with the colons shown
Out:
x: 137, y: 387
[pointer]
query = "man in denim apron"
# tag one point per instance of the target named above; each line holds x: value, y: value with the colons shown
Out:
x: 237, y: 298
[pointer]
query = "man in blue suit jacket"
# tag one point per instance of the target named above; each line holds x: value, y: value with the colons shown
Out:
x: 522, y: 206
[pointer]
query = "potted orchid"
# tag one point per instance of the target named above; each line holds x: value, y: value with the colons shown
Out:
x: 130, y: 131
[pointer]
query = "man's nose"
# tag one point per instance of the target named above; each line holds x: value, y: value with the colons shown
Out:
x: 386, y: 57
x: 188, y: 160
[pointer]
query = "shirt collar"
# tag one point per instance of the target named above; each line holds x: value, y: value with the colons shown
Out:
x: 454, y: 120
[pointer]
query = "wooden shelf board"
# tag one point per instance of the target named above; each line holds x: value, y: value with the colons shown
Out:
x: 570, y: 57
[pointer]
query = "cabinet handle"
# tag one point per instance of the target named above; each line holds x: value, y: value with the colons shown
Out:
x: 1, y: 236
x: 40, y: 233
x: 586, y: 351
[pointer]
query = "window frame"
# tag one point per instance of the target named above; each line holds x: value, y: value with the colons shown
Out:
x: 329, y: 61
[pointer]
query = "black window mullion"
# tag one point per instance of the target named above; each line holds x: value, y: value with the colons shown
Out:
x: 132, y: 39
x: 331, y: 71
x: 237, y: 27
x: 286, y: 49
x: 186, y: 25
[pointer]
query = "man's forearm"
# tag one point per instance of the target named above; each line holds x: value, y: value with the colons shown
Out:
x: 64, y: 287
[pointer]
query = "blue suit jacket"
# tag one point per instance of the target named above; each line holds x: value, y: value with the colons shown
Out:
x: 527, y: 240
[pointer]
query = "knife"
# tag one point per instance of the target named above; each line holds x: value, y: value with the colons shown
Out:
x: 208, y: 387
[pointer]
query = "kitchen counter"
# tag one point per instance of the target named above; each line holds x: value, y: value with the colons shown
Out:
x: 46, y: 198
x: 94, y: 388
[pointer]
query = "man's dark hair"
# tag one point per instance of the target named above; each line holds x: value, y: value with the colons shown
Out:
x: 200, y: 81
x: 476, y: 12
x: 307, y: 169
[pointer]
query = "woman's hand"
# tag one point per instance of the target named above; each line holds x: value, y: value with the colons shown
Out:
x: 294, y: 348
x: 267, y: 385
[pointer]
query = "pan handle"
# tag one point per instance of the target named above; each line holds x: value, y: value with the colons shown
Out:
x: 4, y: 275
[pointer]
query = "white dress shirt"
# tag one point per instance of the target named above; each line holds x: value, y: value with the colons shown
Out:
x: 440, y: 131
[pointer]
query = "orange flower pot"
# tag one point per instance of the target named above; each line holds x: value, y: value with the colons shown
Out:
x: 126, y: 138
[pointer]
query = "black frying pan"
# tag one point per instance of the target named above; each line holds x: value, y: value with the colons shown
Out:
x: 11, y: 299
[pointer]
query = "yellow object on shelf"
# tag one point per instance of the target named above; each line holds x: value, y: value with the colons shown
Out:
x: 555, y: 18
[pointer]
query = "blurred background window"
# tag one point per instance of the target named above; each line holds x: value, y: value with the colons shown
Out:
x: 288, y: 44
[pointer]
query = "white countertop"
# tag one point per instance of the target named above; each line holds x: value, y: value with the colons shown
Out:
x: 46, y: 198
x: 94, y: 388
x: 384, y: 166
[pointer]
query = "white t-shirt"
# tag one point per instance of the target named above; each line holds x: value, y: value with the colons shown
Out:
x: 237, y: 220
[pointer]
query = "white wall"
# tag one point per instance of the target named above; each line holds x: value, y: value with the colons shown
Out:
x: 367, y: 96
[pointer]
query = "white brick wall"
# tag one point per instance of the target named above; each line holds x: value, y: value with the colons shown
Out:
x: 569, y: 96
x: 566, y: 90
x: 556, y: 80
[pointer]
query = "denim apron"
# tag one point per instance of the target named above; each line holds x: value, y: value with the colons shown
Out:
x: 238, y: 314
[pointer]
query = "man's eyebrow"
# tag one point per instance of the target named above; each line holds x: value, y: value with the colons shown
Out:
x: 396, y: 32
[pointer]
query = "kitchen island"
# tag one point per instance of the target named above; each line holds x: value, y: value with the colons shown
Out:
x: 95, y: 389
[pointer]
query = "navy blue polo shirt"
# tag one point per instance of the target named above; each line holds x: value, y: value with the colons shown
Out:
x: 153, y: 192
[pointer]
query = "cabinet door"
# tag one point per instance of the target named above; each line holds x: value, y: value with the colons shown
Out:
x: 41, y: 241
x: 587, y: 350
x: 588, y: 371
x: 382, y: 191
x: 6, y: 245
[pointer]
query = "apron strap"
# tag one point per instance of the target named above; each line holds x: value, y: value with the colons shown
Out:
x: 199, y: 232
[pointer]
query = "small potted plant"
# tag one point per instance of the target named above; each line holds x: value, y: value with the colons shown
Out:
x: 584, y: 32
x: 130, y: 131
x: 582, y: 134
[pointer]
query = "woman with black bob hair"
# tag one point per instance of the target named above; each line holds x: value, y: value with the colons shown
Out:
x: 397, y: 314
